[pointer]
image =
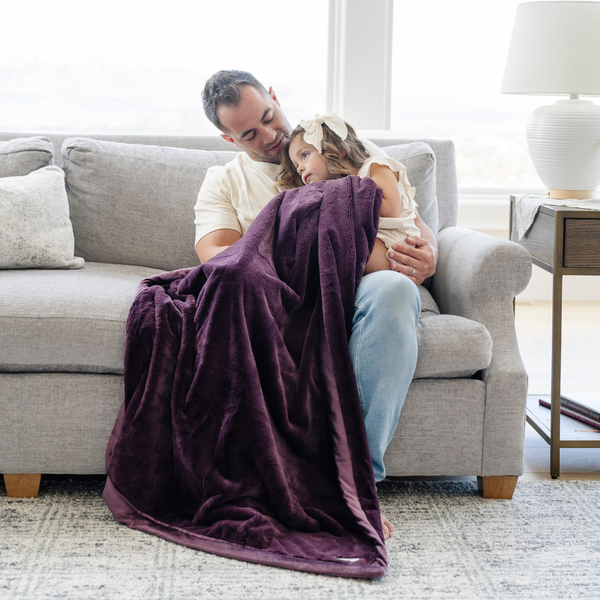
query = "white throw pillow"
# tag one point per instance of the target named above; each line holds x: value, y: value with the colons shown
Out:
x: 35, y: 230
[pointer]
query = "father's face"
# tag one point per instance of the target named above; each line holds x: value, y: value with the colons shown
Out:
x: 257, y: 124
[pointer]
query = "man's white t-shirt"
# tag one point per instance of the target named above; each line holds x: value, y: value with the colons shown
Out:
x: 233, y: 195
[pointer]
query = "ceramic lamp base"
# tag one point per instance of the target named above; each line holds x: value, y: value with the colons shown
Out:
x: 564, y: 146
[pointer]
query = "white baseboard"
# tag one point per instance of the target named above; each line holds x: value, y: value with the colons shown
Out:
x: 575, y: 287
x: 489, y: 213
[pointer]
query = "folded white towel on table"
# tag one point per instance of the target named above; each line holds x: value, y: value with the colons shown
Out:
x: 527, y: 206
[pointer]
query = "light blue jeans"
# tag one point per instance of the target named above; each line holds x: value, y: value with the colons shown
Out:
x: 383, y: 348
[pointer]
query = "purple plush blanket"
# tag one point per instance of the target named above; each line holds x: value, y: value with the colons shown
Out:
x: 241, y: 432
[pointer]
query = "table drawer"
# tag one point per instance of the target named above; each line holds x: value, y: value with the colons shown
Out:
x: 582, y: 243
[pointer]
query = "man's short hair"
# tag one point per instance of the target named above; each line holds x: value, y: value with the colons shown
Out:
x: 223, y: 89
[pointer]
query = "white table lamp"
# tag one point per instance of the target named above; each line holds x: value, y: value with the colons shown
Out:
x: 555, y: 50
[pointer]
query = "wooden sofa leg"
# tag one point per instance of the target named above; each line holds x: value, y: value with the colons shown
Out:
x: 22, y: 485
x: 500, y: 487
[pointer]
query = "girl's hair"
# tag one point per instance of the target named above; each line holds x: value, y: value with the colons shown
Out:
x: 343, y: 157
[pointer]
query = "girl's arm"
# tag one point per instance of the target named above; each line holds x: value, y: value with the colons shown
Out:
x: 391, y: 206
x: 385, y: 178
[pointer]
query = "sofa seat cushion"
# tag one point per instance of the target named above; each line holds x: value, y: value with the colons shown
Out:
x: 74, y: 322
x: 66, y: 321
x: 449, y: 346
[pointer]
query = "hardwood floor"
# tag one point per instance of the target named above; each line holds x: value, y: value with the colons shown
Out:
x: 580, y: 378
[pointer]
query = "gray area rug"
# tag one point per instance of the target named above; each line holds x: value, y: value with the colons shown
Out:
x: 449, y: 543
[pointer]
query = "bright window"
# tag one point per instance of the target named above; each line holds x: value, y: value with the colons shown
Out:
x: 447, y: 69
x: 128, y: 66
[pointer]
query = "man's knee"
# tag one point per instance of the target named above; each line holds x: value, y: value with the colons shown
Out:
x: 389, y: 291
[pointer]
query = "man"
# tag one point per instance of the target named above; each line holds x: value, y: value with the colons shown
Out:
x: 383, y: 344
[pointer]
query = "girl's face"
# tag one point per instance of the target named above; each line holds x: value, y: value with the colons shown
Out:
x: 311, y: 165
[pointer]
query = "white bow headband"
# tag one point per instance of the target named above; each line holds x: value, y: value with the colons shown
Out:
x: 313, y: 129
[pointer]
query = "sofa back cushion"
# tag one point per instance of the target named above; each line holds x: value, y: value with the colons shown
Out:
x: 419, y: 160
x: 446, y: 188
x: 23, y: 155
x: 133, y: 204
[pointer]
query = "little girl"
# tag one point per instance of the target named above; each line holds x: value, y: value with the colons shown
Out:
x: 327, y: 148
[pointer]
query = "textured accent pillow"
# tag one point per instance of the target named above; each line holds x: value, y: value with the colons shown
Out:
x: 21, y: 156
x: 133, y: 204
x: 35, y: 231
x: 419, y: 160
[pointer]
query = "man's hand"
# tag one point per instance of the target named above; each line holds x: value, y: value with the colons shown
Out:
x: 418, y: 262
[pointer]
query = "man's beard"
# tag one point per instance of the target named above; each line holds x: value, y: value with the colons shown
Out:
x: 272, y: 158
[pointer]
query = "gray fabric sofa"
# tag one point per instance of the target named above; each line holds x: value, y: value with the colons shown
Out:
x: 131, y: 198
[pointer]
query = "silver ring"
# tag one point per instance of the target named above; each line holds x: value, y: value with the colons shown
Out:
x: 413, y: 272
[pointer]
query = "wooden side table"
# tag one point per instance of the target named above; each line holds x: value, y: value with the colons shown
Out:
x: 562, y: 241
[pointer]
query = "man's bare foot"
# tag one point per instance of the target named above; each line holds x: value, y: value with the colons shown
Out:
x: 388, y: 528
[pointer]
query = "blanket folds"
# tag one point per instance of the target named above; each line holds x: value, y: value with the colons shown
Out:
x: 241, y: 432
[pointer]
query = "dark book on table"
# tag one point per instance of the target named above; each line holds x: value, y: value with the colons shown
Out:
x: 569, y: 412
x: 582, y: 409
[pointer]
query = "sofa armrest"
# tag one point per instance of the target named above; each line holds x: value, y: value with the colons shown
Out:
x: 477, y: 277
x: 475, y: 268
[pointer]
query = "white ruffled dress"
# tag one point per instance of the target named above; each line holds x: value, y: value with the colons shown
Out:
x: 395, y: 229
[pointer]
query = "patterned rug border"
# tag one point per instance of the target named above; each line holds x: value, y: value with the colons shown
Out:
x: 449, y: 543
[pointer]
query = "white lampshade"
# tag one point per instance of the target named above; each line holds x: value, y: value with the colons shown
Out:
x: 555, y: 50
